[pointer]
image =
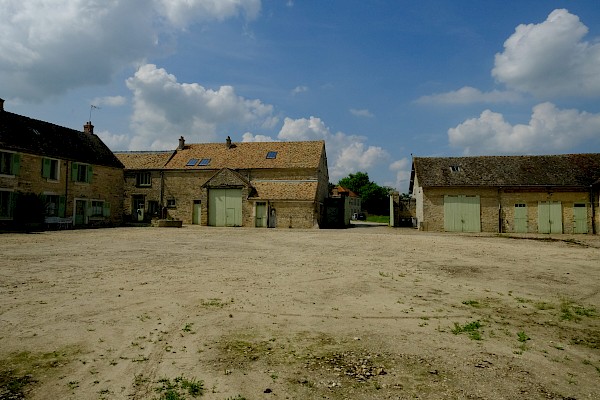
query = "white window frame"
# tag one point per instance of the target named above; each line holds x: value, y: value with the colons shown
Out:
x: 56, y: 178
x: 143, y: 179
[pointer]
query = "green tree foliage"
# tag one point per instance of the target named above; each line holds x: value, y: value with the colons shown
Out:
x: 375, y: 198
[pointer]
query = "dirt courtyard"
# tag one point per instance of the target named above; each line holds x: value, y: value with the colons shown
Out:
x: 239, y: 313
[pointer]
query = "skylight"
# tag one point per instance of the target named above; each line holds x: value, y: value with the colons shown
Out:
x: 192, y: 162
x: 271, y: 155
x: 204, y: 162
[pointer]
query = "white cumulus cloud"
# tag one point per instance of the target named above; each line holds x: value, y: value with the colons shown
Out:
x: 48, y: 47
x: 470, y: 95
x: 550, y: 59
x: 345, y: 153
x: 549, y: 130
x: 165, y: 109
x: 402, y: 169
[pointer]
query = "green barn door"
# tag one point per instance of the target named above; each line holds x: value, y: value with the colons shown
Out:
x: 225, y: 207
x: 462, y: 213
x: 549, y: 217
x: 520, y: 218
x: 580, y: 218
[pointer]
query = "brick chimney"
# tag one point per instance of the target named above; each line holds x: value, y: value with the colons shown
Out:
x: 181, y: 143
x: 88, y: 127
x: 228, y: 142
x: 1, y: 104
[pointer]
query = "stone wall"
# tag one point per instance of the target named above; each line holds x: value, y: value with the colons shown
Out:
x: 186, y: 187
x: 106, y: 185
x: 498, y: 205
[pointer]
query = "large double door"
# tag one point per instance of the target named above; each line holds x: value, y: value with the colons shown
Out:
x: 225, y: 207
x: 462, y: 213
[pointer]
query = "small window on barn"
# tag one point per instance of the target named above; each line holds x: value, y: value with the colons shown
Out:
x: 171, y: 203
x: 520, y: 205
x: 454, y: 168
x: 192, y: 162
x: 271, y: 155
x: 204, y: 162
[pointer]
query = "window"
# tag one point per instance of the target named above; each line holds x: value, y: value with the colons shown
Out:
x: 454, y: 168
x: 271, y: 155
x: 204, y: 162
x: 7, y: 204
x: 96, y: 208
x: 54, y: 205
x: 520, y: 205
x: 9, y: 163
x: 171, y: 203
x: 50, y: 169
x: 143, y: 179
x: 81, y: 172
x: 192, y: 162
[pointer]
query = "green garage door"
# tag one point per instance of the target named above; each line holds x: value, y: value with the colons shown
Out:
x: 462, y: 213
x: 549, y: 217
x: 225, y: 207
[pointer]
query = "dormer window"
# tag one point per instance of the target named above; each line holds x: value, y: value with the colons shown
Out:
x: 454, y: 168
x: 271, y: 155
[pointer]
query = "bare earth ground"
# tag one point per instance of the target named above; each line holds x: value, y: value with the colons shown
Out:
x: 363, y: 313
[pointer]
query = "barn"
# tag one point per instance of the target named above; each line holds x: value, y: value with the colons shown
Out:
x: 507, y: 194
x: 252, y: 184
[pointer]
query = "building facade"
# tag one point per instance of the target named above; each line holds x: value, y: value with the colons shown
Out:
x: 507, y: 194
x: 56, y: 175
x: 258, y: 184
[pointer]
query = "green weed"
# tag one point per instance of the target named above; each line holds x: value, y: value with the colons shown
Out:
x: 472, y: 328
x: 523, y: 336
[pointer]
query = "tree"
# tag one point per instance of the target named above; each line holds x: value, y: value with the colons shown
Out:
x: 375, y: 198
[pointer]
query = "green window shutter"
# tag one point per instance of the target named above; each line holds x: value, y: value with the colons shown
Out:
x: 46, y: 165
x: 90, y: 173
x: 62, y: 204
x: 16, y: 164
x: 106, y: 209
x: 74, y: 167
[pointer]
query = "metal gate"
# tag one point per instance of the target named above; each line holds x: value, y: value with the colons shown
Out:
x: 462, y: 213
x: 549, y: 217
x: 225, y: 207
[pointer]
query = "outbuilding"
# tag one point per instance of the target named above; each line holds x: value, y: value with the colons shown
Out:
x: 513, y: 194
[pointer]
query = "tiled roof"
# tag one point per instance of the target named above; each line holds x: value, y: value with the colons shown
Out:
x: 571, y: 170
x: 27, y: 135
x: 246, y: 155
x: 284, y: 190
x: 144, y: 159
x: 342, y: 189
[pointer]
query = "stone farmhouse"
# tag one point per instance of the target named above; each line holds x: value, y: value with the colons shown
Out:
x: 512, y: 194
x: 253, y: 184
x: 70, y: 176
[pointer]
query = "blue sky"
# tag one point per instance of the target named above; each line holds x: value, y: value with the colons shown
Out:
x: 377, y: 80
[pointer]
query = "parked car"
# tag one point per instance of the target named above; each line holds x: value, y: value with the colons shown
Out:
x: 359, y: 216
